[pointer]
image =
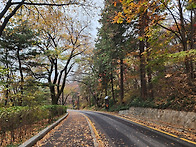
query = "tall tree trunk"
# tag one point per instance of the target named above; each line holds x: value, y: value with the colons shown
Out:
x: 135, y: 81
x: 105, y: 83
x: 53, y: 95
x: 192, y: 30
x: 65, y: 100
x: 184, y: 40
x: 106, y: 88
x: 121, y: 81
x: 143, y: 76
x: 7, y: 79
x: 149, y: 74
x: 112, y: 83
x: 150, y: 85
x: 62, y: 98
x: 150, y: 91
x: 21, y: 77
x: 89, y: 99
x: 142, y: 58
x: 54, y: 100
x: 6, y: 94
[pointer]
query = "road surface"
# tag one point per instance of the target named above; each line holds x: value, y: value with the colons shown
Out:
x: 124, y: 133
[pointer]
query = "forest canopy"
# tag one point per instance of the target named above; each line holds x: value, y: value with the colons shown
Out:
x: 144, y: 54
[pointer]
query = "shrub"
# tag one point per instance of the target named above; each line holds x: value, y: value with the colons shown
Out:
x: 13, y: 118
x: 136, y: 102
x: 54, y: 110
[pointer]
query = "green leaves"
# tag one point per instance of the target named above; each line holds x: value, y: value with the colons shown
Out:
x: 191, y: 5
x: 120, y: 20
x: 19, y: 119
x: 3, y: 71
x: 180, y: 56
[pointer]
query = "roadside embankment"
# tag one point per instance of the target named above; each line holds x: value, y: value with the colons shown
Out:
x: 180, y: 118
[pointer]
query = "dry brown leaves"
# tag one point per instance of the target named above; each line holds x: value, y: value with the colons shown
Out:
x: 24, y: 133
x: 73, y: 131
x: 179, y: 131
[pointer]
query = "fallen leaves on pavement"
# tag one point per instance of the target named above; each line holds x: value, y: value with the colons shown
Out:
x: 73, y: 131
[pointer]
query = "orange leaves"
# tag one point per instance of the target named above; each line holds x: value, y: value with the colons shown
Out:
x: 132, y: 9
x: 168, y: 75
x: 117, y: 2
x: 118, y: 18
x: 114, y: 4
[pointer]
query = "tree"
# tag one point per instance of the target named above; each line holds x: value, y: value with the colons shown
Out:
x: 180, y: 12
x: 4, y: 82
x: 112, y: 47
x: 136, y: 12
x: 11, y: 8
x: 86, y: 77
x: 17, y: 42
x: 181, y: 31
x: 60, y: 49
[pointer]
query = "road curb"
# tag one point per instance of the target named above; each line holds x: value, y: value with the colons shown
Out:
x: 94, y: 132
x: 147, y: 126
x: 41, y: 134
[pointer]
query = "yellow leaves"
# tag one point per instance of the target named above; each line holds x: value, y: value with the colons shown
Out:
x: 126, y: 2
x: 140, y: 8
x: 132, y: 5
x: 140, y: 38
x: 115, y: 19
x: 134, y: 9
x: 119, y: 18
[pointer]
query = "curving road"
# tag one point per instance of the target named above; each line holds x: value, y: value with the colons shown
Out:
x: 124, y: 133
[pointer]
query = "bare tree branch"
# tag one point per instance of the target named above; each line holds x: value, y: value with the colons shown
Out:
x: 47, y: 4
x: 173, y: 18
x: 19, y: 4
x: 6, y: 20
x: 5, y: 9
x: 170, y: 31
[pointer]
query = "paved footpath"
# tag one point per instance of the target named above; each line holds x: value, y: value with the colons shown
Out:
x: 105, y: 130
x: 73, y: 131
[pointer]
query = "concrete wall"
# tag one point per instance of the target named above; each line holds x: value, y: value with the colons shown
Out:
x: 181, y: 118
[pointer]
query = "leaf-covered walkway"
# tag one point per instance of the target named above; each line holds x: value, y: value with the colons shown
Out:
x: 73, y: 131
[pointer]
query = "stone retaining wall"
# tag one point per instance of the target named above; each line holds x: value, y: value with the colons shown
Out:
x: 185, y: 119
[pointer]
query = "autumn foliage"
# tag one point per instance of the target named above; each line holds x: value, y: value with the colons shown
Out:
x: 18, y: 122
x: 145, y: 55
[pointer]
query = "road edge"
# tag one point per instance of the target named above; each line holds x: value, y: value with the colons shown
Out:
x: 144, y: 125
x: 158, y: 130
x: 93, y: 132
x: 33, y: 140
x: 96, y: 138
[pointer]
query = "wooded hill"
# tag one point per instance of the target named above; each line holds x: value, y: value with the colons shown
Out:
x: 144, y: 54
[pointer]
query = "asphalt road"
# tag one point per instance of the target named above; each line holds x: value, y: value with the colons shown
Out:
x: 124, y: 133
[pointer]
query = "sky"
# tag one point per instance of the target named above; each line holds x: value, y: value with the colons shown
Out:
x: 90, y: 14
x: 95, y: 23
